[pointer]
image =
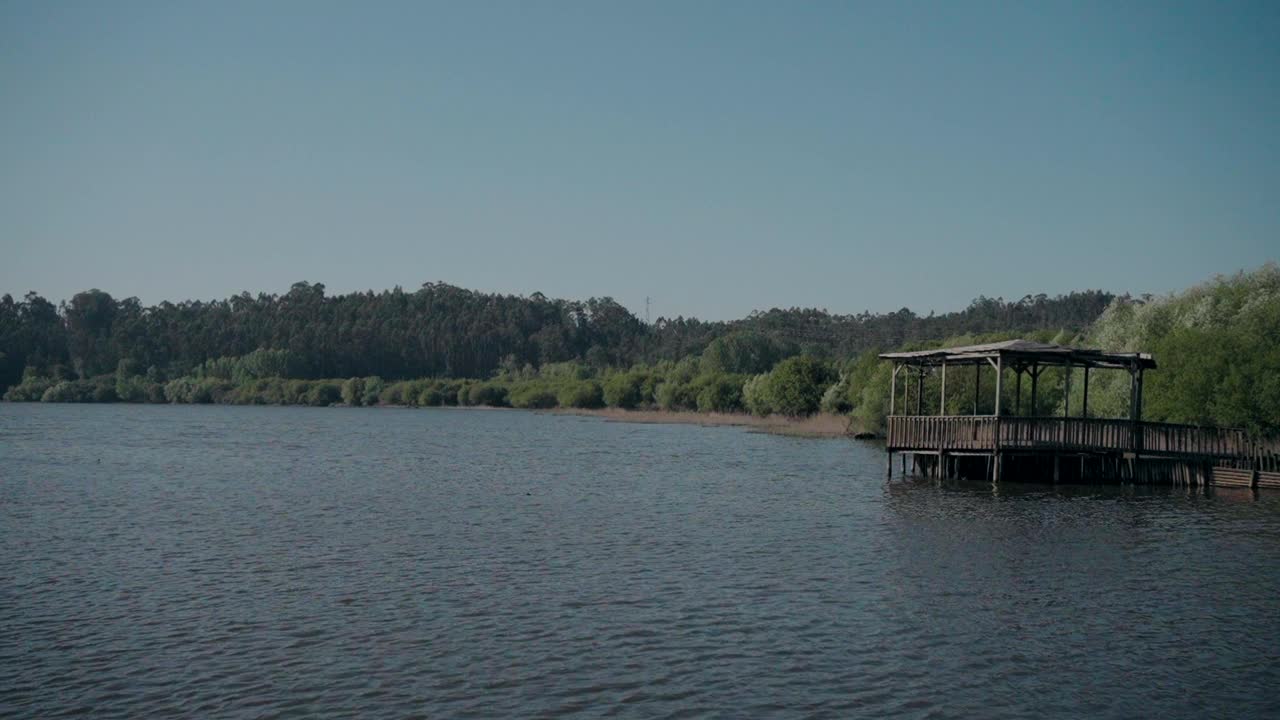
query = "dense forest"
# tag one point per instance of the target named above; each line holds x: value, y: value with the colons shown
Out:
x: 441, y: 331
x: 1217, y: 345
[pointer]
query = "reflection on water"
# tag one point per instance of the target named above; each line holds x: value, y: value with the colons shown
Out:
x: 267, y: 562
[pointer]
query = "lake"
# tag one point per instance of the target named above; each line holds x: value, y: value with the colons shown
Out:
x: 245, y: 562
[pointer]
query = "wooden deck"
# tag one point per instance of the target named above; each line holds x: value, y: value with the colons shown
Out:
x: 1093, y: 448
x: 991, y: 434
x: 1063, y: 448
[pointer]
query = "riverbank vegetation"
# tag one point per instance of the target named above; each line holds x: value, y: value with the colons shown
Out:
x: 1217, y: 346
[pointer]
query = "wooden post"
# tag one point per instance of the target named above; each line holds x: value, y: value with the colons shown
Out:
x: 893, y: 388
x: 1133, y: 395
x: 1084, y: 412
x: 995, y: 430
x: 888, y: 470
x: 1133, y: 409
x: 942, y: 397
x: 999, y: 381
x: 1035, y: 381
x: 1138, y: 416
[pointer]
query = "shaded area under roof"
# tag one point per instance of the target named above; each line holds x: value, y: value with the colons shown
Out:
x: 1023, y: 352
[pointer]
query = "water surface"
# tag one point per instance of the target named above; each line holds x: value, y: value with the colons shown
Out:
x: 294, y: 562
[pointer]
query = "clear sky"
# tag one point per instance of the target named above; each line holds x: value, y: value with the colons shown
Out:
x: 719, y: 157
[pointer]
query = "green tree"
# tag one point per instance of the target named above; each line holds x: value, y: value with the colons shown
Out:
x: 796, y: 385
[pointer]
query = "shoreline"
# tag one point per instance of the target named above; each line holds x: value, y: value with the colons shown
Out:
x: 817, y: 426
x: 821, y: 425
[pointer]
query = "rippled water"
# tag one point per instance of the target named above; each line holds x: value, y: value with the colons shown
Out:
x: 293, y: 562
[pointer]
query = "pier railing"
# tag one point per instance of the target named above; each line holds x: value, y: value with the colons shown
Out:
x: 988, y: 433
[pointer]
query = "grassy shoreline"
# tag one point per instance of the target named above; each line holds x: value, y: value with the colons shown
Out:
x: 820, y: 425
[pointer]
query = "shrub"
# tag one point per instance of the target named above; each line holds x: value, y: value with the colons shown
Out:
x: 721, y: 393
x: 131, y: 389
x: 155, y: 392
x: 31, y: 389
x: 430, y: 396
x: 324, y: 393
x: 295, y: 392
x: 180, y: 390
x: 756, y: 396
x: 70, y: 391
x: 564, y: 371
x: 220, y: 391
x: 449, y: 392
x: 461, y: 394
x: 533, y: 396
x: 836, y: 398
x: 372, y: 389
x: 581, y: 394
x: 353, y: 391
x: 104, y: 389
x: 491, y: 394
x: 399, y: 393
x: 675, y: 395
x: 622, y: 390
x: 796, y: 385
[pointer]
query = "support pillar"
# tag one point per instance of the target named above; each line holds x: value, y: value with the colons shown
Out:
x: 1084, y: 412
x: 1035, y: 382
x: 1138, y: 417
x: 893, y: 392
x: 999, y: 381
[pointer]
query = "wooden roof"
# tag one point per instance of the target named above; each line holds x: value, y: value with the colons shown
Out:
x: 1024, y: 352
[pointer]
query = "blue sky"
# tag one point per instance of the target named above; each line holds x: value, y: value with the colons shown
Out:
x: 719, y: 157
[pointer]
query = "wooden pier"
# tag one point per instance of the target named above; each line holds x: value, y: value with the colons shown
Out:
x: 1003, y: 445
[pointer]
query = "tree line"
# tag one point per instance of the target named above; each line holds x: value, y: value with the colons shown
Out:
x: 442, y: 331
x: 1217, y: 344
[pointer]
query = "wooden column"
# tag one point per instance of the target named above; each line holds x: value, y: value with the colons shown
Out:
x: 1035, y: 381
x: 1139, y: 415
x: 1084, y: 411
x: 1133, y: 394
x: 998, y: 459
x: 893, y: 390
x: 999, y: 381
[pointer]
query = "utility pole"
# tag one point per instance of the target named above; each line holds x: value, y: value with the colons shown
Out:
x: 647, y: 299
